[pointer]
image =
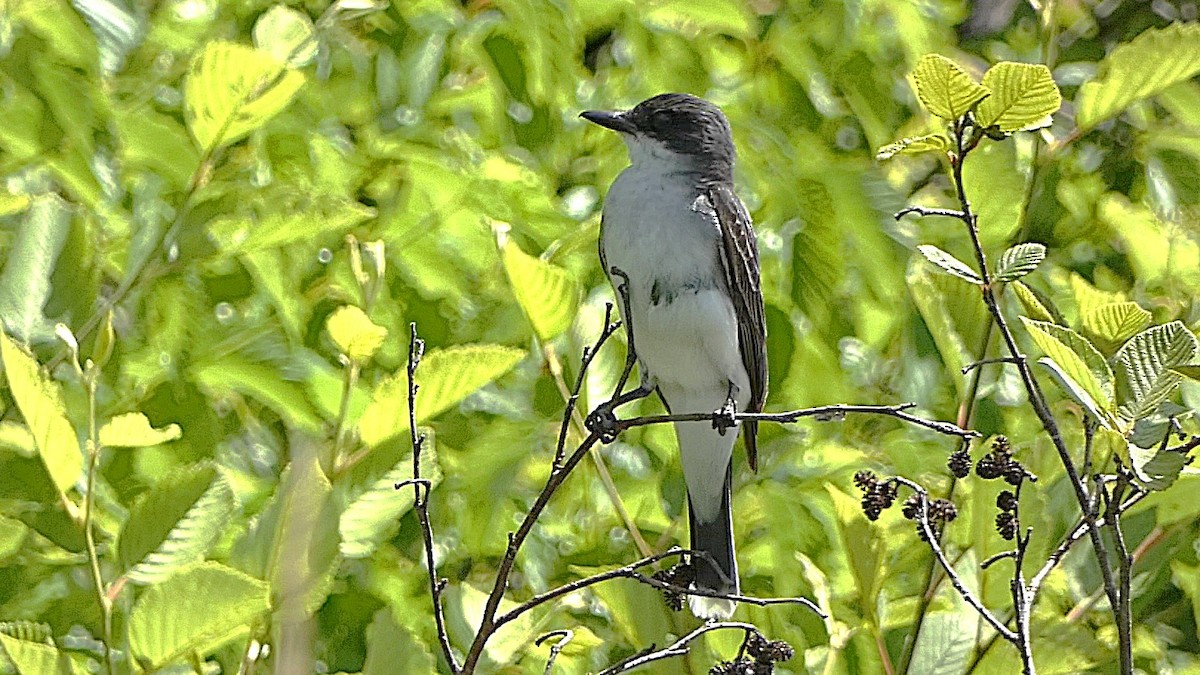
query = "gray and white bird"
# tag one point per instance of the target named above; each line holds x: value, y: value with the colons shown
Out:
x: 674, y: 227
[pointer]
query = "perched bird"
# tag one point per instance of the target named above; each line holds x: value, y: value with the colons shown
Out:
x: 675, y: 233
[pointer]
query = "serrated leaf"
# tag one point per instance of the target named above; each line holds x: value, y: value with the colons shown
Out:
x: 1023, y: 96
x: 949, y: 264
x: 1147, y: 65
x: 375, y: 514
x: 1020, y: 260
x: 392, y: 648
x: 945, y: 89
x: 1089, y: 298
x: 1077, y: 358
x: 300, y: 219
x: 40, y: 402
x: 354, y: 333
x: 37, y: 658
x: 1031, y: 303
x: 1144, y: 363
x: 1112, y: 324
x: 29, y: 262
x: 914, y: 145
x: 548, y: 294
x: 197, y: 610
x: 133, y: 430
x: 943, y: 645
x: 29, y: 631
x: 445, y: 377
x: 175, y: 524
x: 232, y: 89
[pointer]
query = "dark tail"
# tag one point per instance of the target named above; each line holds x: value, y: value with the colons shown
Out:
x: 715, y: 538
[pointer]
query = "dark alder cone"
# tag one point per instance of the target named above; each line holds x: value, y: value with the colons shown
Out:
x: 1006, y: 501
x: 1015, y: 473
x: 682, y: 576
x: 959, y: 463
x: 943, y: 510
x: 865, y: 480
x: 912, y: 507
x: 780, y: 651
x: 1006, y: 524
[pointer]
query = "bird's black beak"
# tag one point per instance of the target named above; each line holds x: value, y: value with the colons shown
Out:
x: 609, y: 120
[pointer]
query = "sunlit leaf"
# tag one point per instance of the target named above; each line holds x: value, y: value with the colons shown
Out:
x: 197, y: 610
x: 949, y: 264
x: 392, y: 648
x: 37, y: 657
x: 1077, y: 358
x: 944, y: 88
x: 133, y: 430
x: 1150, y: 63
x: 1019, y: 261
x: 286, y: 34
x: 445, y: 377
x: 547, y: 293
x: 303, y: 219
x: 1144, y: 363
x: 1023, y: 96
x: 914, y: 145
x: 175, y: 524
x: 1189, y: 371
x: 1031, y: 303
x: 40, y: 402
x: 954, y: 315
x: 943, y: 645
x: 1078, y: 392
x: 1156, y: 468
x: 1110, y: 325
x: 232, y: 89
x: 354, y: 333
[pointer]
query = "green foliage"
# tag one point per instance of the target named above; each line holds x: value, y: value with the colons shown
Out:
x: 220, y: 201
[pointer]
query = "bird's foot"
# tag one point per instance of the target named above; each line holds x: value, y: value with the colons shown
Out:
x: 602, y: 422
x: 725, y: 418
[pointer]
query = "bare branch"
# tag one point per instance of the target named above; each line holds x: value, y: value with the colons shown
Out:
x: 678, y: 648
x: 565, y: 637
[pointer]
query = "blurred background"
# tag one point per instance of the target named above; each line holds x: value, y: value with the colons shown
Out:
x: 449, y: 132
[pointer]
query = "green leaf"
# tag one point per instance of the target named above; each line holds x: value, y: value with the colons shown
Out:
x: 391, y: 648
x: 1077, y: 358
x: 1147, y: 65
x: 29, y: 263
x: 40, y: 402
x: 1024, y: 97
x: 694, y: 18
x: 197, y: 610
x: 12, y: 535
x: 1110, y: 325
x: 175, y: 523
x: 1144, y: 363
x: 133, y: 430
x: 1031, y: 303
x: 232, y: 89
x: 286, y: 34
x: 943, y: 645
x: 354, y: 333
x: 949, y: 264
x: 302, y: 218
x: 35, y: 658
x: 954, y: 315
x: 375, y: 514
x: 1076, y: 391
x: 945, y: 89
x: 445, y: 377
x: 1155, y: 468
x: 261, y: 382
x: 548, y: 294
x: 1020, y: 260
x: 914, y: 145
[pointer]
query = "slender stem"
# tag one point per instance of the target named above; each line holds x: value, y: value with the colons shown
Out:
x: 416, y: 349
x: 350, y: 373
x: 1124, y: 612
x: 678, y: 648
x: 89, y: 536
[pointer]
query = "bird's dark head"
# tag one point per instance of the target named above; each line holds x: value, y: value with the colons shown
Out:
x: 685, y: 127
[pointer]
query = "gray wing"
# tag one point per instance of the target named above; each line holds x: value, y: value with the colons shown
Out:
x: 739, y: 256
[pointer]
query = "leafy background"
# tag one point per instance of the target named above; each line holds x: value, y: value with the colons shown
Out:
x: 163, y: 154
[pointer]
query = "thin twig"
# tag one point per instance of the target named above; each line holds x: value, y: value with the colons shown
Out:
x: 678, y: 648
x: 416, y: 349
x: 89, y: 537
x: 564, y: 636
x: 1000, y: 359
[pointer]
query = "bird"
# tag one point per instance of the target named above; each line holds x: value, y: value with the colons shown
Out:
x: 675, y: 234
